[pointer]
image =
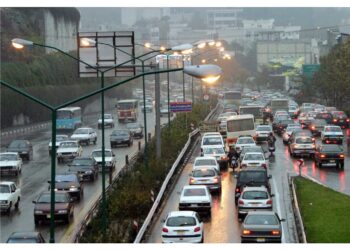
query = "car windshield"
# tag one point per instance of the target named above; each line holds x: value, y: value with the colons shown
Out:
x: 99, y: 153
x: 261, y: 219
x: 204, y: 173
x: 263, y: 128
x: 254, y: 195
x: 195, y: 192
x: 132, y: 125
x: 18, y: 144
x: 253, y: 157
x: 82, y: 131
x: 213, y: 151
x: 252, y: 176
x: 290, y: 129
x: 331, y: 149
x: 212, y: 141
x: 320, y: 122
x: 61, y: 138
x: 66, y: 178
x: 82, y: 162
x: 120, y: 133
x: 8, y: 157
x: 205, y: 162
x: 59, y: 198
x: 181, y: 221
x: 68, y: 145
x: 22, y: 240
x: 107, y: 116
x: 245, y: 141
x: 4, y: 189
x: 333, y: 129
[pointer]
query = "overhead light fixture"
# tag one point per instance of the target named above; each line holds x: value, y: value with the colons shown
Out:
x: 211, y: 79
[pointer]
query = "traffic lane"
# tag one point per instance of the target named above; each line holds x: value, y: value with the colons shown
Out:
x: 222, y: 227
x: 36, y: 173
x: 328, y: 175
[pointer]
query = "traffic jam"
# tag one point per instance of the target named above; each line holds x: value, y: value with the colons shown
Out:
x: 242, y: 142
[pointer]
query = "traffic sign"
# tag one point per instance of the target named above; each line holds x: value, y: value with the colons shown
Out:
x: 206, y: 97
x: 310, y: 69
x: 178, y: 107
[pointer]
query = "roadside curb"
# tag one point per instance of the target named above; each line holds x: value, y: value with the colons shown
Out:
x: 296, y: 211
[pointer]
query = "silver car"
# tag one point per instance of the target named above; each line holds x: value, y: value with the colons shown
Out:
x: 207, y: 176
x: 261, y: 227
x: 254, y: 198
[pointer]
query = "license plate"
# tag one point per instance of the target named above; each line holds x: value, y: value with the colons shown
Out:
x: 204, y: 181
x: 193, y: 205
x: 260, y: 239
x: 332, y: 161
x: 341, y: 120
x: 48, y: 216
x: 180, y: 232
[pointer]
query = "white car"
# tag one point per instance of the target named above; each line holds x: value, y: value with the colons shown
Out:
x: 254, y: 159
x: 195, y: 198
x: 183, y: 227
x: 68, y: 150
x: 110, y: 160
x: 109, y: 121
x: 10, y: 196
x: 59, y: 139
x: 85, y: 135
x: 287, y: 133
x: 244, y: 141
x: 206, y: 161
x: 332, y: 134
x: 262, y: 132
x: 218, y: 152
x: 212, y: 140
x: 10, y: 162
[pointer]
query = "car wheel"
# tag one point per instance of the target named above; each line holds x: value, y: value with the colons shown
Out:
x: 320, y: 164
x: 9, y: 208
x: 202, y: 240
x: 95, y: 141
x: 17, y: 203
x: 341, y: 165
x: 67, y: 220
x: 92, y: 177
x: 36, y: 222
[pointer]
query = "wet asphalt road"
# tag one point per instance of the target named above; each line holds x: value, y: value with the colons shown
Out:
x: 36, y: 173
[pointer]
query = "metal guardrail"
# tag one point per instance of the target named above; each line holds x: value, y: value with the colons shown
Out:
x: 157, y: 201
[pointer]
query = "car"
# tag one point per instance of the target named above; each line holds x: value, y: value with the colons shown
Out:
x: 327, y: 116
x: 306, y: 118
x: 328, y: 154
x: 121, y: 137
x: 218, y: 152
x: 10, y: 163
x: 257, y: 149
x: 212, y: 140
x: 85, y: 167
x: 59, y: 139
x: 300, y: 132
x: 207, y: 176
x: 332, y: 134
x: 254, y: 159
x: 10, y: 195
x: 340, y: 119
x: 70, y: 183
x: 135, y: 129
x: 85, y: 136
x: 148, y: 105
x: 64, y: 208
x: 23, y: 147
x: 108, y: 120
x: 223, y: 127
x: 302, y: 145
x: 183, y: 227
x: 279, y: 118
x: 244, y: 141
x: 282, y: 125
x: 253, y: 177
x: 262, y: 227
x: 288, y: 131
x: 252, y: 199
x: 316, y: 126
x: 293, y: 111
x: 68, y: 150
x: 25, y: 237
x: 280, y: 112
x: 195, y: 198
x: 110, y: 160
x: 262, y: 132
x: 329, y: 109
x: 206, y: 161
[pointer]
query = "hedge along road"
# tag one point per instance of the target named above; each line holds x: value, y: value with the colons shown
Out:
x: 36, y: 173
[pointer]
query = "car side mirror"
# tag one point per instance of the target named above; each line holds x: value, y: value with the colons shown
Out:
x: 282, y: 220
x: 162, y: 221
x: 272, y: 195
x: 269, y: 177
x: 34, y: 202
x: 113, y: 154
x: 49, y: 182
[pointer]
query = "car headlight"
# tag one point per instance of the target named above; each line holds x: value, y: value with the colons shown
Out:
x: 38, y: 212
x: 3, y: 202
x: 88, y: 172
x: 73, y: 189
x: 62, y: 211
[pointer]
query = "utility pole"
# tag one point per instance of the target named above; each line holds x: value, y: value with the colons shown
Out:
x: 157, y: 97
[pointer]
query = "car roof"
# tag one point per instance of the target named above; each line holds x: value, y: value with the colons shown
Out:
x: 212, y: 146
x: 205, y: 158
x: 24, y: 234
x: 261, y: 212
x: 248, y: 169
x: 84, y: 128
x: 7, y: 182
x: 194, y: 187
x: 181, y: 213
x: 9, y: 153
x: 253, y: 153
x: 100, y: 149
x: 69, y: 141
x: 261, y: 188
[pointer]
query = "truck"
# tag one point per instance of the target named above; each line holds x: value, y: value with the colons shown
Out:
x: 10, y: 196
x: 279, y: 104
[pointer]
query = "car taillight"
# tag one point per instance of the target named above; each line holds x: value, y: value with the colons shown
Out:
x: 334, y: 120
x: 275, y: 232
x: 243, y: 165
x: 192, y: 180
x: 240, y: 202
x: 322, y: 156
x: 165, y: 230
x: 246, y: 232
x: 269, y: 202
x: 348, y: 120
x: 264, y: 165
x: 327, y: 141
x: 341, y: 156
x: 216, y: 179
x: 237, y: 190
x: 197, y: 229
x: 313, y: 127
x: 313, y: 139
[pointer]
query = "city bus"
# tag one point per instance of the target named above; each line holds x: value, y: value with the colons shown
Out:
x: 68, y: 118
x: 239, y: 125
x: 127, y: 110
x: 255, y: 110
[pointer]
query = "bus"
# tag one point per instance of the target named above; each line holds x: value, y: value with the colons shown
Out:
x: 68, y: 118
x: 127, y: 110
x: 279, y: 104
x: 255, y: 110
x: 232, y: 97
x: 239, y: 125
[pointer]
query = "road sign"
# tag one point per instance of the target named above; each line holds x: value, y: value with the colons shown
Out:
x: 178, y: 107
x: 206, y: 97
x: 310, y: 69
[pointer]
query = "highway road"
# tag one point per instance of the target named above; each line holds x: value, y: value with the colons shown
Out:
x: 36, y: 173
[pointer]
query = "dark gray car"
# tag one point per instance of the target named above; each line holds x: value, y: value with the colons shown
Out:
x: 85, y: 167
x: 23, y: 147
x: 121, y: 137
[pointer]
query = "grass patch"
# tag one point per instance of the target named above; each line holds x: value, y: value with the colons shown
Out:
x: 325, y: 212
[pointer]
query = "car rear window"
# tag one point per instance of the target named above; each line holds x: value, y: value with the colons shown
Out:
x: 205, y: 162
x: 257, y: 176
x: 66, y: 178
x: 253, y: 157
x: 204, y: 173
x: 213, y: 151
x: 4, y: 189
x: 333, y: 129
x: 212, y: 141
x: 261, y: 219
x: 254, y: 195
x: 305, y: 140
x: 245, y: 141
x: 331, y: 148
x: 181, y: 221
x: 195, y: 192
